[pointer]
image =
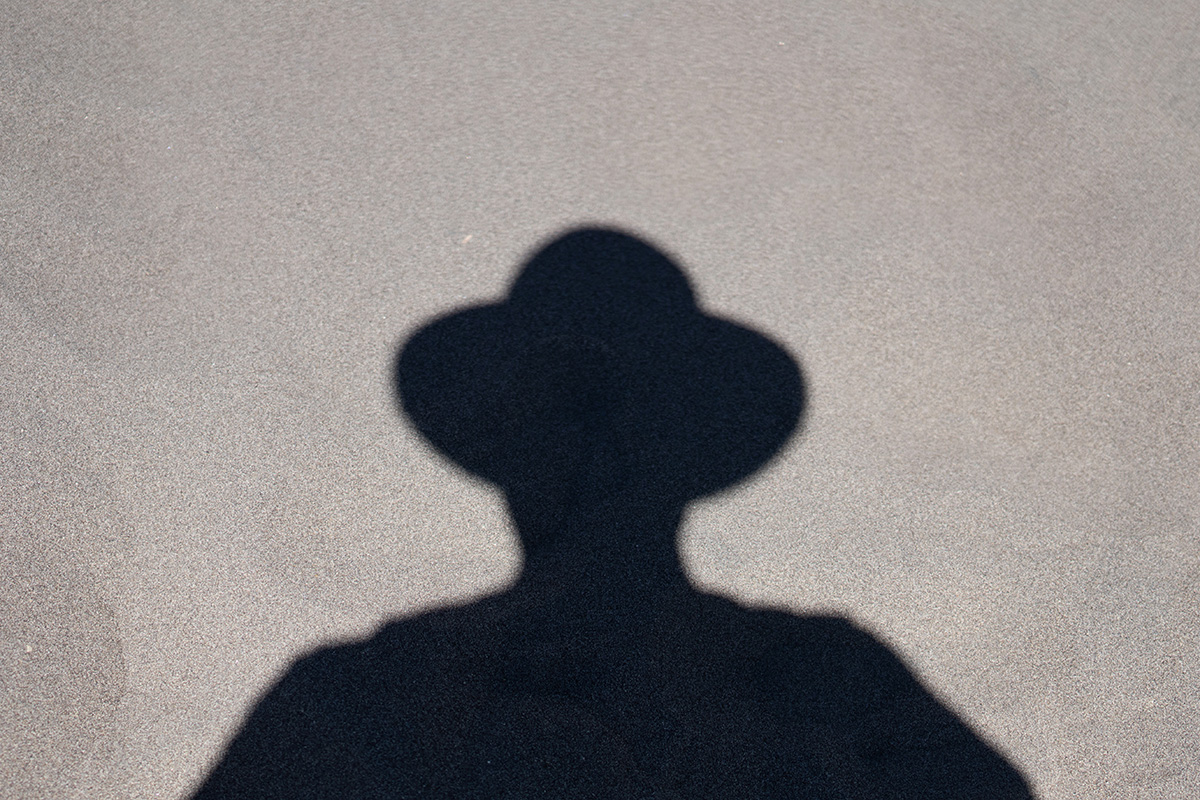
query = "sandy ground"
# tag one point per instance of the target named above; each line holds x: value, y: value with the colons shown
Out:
x: 974, y: 224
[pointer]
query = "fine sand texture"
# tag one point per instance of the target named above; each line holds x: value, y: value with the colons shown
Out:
x: 974, y: 225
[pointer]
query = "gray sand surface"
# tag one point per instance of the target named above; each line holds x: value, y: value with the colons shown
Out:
x: 975, y: 224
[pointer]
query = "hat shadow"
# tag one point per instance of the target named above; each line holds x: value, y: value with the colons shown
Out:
x: 601, y: 399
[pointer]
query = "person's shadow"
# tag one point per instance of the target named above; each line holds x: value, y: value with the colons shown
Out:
x: 602, y: 400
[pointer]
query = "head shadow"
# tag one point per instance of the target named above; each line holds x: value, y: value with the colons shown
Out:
x: 598, y: 385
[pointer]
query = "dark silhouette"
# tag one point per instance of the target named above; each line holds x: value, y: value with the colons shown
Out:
x: 602, y: 400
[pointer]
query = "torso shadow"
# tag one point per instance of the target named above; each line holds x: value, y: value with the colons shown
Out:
x: 689, y: 696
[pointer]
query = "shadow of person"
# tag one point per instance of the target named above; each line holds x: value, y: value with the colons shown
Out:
x: 602, y: 400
